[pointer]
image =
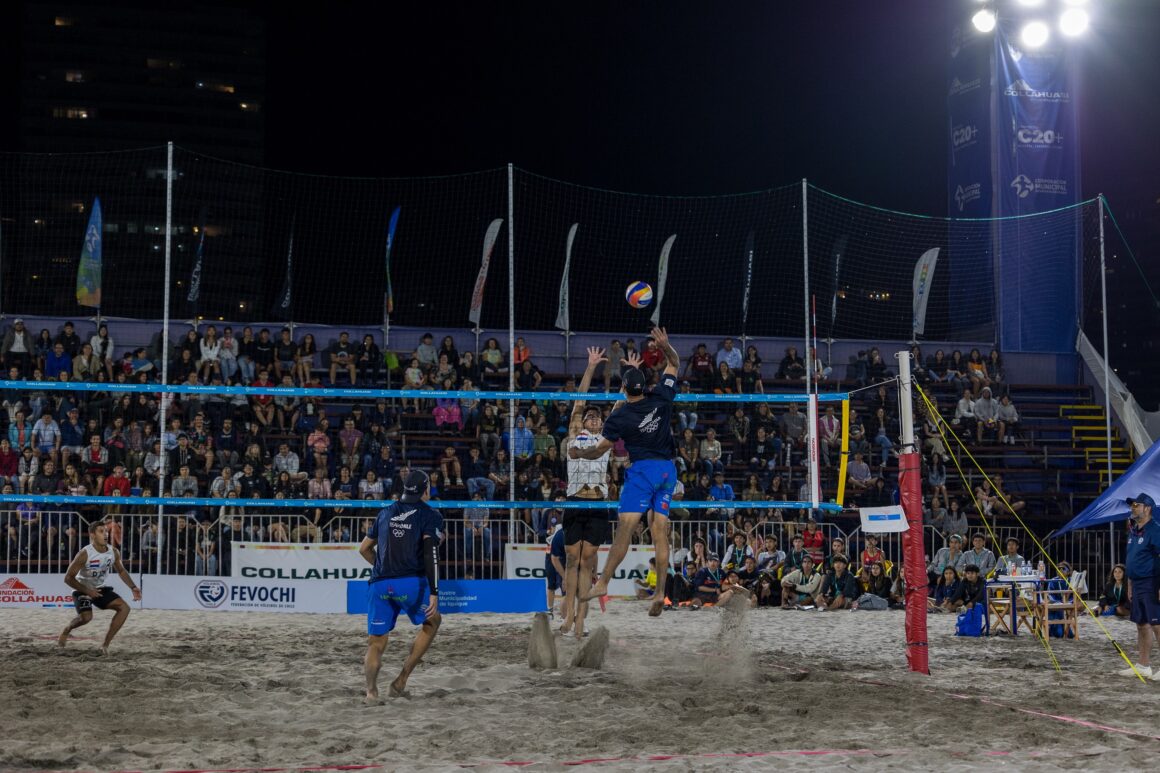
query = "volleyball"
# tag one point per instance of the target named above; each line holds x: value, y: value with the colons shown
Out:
x: 638, y: 295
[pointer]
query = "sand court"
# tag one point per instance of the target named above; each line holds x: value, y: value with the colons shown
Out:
x: 740, y: 688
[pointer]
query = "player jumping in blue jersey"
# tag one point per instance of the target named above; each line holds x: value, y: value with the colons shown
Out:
x: 644, y: 422
x: 403, y: 545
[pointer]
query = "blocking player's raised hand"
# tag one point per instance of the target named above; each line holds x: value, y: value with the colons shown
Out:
x: 595, y: 356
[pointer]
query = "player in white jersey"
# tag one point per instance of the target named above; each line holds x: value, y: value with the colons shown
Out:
x: 584, y: 530
x: 87, y: 575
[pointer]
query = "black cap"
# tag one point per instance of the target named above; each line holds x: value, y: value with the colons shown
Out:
x: 633, y: 380
x: 415, y: 486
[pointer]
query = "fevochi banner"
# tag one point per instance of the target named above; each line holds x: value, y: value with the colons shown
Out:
x: 298, y: 561
x: 232, y: 594
x: 1037, y: 154
x: 969, y: 191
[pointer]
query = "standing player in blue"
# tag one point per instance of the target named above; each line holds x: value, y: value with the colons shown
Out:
x: 644, y: 422
x: 403, y: 545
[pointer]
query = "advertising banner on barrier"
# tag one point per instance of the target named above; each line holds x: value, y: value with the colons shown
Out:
x: 298, y: 561
x: 468, y: 596
x: 528, y: 561
x: 37, y: 590
x: 236, y: 594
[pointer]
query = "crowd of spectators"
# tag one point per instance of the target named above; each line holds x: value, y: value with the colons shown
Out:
x: 114, y: 443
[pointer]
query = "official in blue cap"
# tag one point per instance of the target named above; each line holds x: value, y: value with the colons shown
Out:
x: 1143, y: 570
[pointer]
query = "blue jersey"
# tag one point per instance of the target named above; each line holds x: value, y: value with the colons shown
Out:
x: 645, y: 426
x: 398, y: 532
x: 557, y: 547
x: 1143, y: 561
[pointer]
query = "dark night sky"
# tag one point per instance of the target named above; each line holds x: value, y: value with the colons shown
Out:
x: 682, y: 97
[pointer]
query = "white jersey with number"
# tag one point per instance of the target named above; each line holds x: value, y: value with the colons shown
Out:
x: 97, y: 567
x: 592, y: 473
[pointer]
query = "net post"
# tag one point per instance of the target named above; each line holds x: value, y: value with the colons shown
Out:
x: 806, y: 279
x: 511, y: 343
x: 161, y: 410
x: 1107, y: 365
x: 910, y: 490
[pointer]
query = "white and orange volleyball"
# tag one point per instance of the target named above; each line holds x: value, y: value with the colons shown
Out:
x: 639, y: 295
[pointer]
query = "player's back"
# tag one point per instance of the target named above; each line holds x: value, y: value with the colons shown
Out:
x: 645, y: 425
x: 398, y: 531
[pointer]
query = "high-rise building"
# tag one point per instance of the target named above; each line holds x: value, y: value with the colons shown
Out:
x: 117, y: 82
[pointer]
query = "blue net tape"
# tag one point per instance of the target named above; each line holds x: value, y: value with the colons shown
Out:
x: 378, y: 504
x: 425, y: 394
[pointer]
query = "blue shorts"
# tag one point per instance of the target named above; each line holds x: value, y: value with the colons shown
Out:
x: 1145, y: 608
x: 555, y: 581
x: 390, y: 597
x: 648, y: 485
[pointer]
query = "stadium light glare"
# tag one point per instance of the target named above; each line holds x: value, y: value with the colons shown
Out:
x: 1031, y: 3
x: 1073, y: 22
x: 984, y: 20
x: 1034, y: 34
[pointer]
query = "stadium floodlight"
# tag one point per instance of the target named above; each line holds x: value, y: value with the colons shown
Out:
x: 1073, y: 22
x: 1034, y: 34
x: 1031, y: 3
x: 1075, y: 2
x: 984, y: 20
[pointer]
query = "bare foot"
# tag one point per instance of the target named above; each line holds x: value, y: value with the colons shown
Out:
x: 62, y: 640
x: 103, y: 650
x: 655, y: 609
x: 372, y: 698
x: 597, y: 590
x: 567, y: 626
x: 398, y: 691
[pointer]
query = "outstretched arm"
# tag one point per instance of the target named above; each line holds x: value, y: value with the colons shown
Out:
x: 672, y: 359
x: 595, y: 357
x: 595, y: 452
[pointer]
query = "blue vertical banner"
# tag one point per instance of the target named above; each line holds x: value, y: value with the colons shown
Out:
x: 969, y: 189
x: 89, y: 268
x: 1036, y: 170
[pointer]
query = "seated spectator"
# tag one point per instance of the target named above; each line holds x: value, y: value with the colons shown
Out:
x: 499, y: 471
x: 986, y: 415
x: 799, y: 587
x: 955, y: 521
x: 736, y: 553
x: 734, y: 585
x: 1010, y: 561
x: 876, y: 370
x: 445, y: 373
x: 936, y: 478
x: 707, y: 583
x: 936, y: 367
x: 652, y: 359
x: 729, y: 354
x: 57, y: 361
x: 450, y: 467
x: 700, y: 368
x: 878, y: 495
x: 519, y: 442
x: 822, y: 371
x: 791, y: 368
x: 839, y: 589
x: 964, y: 418
x: 951, y: 557
x: 945, y: 590
x: 793, y: 432
x: 647, y: 588
x: 1008, y: 419
x: 447, y: 413
x: 837, y: 548
x: 287, y: 462
x: 725, y: 381
x: 739, y: 427
x: 262, y: 405
x: 683, y: 590
x: 368, y: 359
x: 492, y: 362
x: 710, y: 453
x: 1115, y: 598
x: 814, y: 541
x: 829, y: 436
x: 184, y: 483
x: 860, y: 480
x: 932, y: 442
x: 995, y: 367
x: 977, y: 372
x: 318, y: 443
x: 970, y: 592
x: 979, y: 555
x: 350, y: 440
x: 341, y: 356
x: 875, y: 588
x: 872, y: 553
x: 475, y: 471
x: 413, y: 378
x: 426, y: 353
